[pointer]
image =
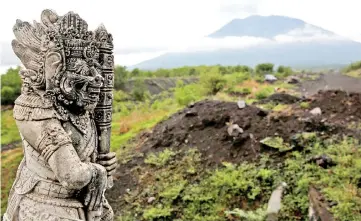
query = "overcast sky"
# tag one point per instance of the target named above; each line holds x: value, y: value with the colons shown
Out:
x: 143, y: 29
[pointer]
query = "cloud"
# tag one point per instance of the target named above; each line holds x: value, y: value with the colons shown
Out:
x: 138, y: 49
x: 135, y: 58
x: 308, y: 33
x: 211, y: 44
x: 7, y: 55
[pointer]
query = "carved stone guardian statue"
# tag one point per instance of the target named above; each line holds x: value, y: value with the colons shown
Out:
x: 63, y: 115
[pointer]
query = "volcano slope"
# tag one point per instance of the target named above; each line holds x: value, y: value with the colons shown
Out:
x: 190, y: 168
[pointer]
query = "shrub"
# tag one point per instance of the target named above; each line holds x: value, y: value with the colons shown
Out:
x: 353, y: 66
x: 139, y: 91
x: 242, y: 68
x: 8, y: 95
x: 283, y: 71
x: 10, y: 86
x: 304, y: 105
x: 237, y: 78
x: 212, y: 82
x: 264, y: 68
x: 264, y: 93
x: 187, y: 94
x: 120, y: 76
x: 120, y: 95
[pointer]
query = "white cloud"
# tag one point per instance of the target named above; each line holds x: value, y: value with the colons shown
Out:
x: 135, y: 58
x: 154, y: 27
x: 210, y: 44
x: 307, y: 33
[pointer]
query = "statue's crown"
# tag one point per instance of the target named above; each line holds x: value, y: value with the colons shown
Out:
x: 68, y: 36
x: 78, y: 42
x: 75, y: 35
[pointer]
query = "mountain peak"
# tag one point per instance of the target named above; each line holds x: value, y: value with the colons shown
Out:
x: 259, y: 26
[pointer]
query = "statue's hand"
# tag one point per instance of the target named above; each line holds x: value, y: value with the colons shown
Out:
x: 109, y: 161
x: 94, y: 215
x: 96, y: 187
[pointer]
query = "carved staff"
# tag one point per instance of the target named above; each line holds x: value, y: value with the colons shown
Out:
x: 103, y: 111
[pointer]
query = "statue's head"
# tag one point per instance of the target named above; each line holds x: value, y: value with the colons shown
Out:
x: 62, y: 60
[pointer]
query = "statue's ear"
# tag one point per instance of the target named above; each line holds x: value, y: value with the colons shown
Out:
x: 53, y: 64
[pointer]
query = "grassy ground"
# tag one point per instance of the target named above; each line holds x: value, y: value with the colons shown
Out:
x: 173, y: 182
x: 354, y: 73
x: 9, y: 163
x: 182, y: 189
x: 9, y: 131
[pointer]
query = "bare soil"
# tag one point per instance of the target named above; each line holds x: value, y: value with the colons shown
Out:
x: 331, y: 81
x: 203, y: 125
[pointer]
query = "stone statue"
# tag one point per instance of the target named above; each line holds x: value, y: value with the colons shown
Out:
x: 63, y: 115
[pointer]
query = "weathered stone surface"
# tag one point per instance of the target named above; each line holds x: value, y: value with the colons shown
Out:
x: 64, y: 116
x: 275, y: 202
x: 316, y: 111
x: 318, y: 210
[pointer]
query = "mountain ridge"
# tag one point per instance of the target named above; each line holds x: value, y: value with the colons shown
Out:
x: 331, y: 49
x: 262, y: 26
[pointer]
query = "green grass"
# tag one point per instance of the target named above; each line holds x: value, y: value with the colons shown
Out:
x: 184, y: 190
x: 305, y: 105
x: 9, y: 163
x: 354, y: 73
x: 264, y: 93
x: 9, y: 130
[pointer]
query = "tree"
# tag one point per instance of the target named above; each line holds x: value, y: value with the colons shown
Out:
x: 135, y: 72
x: 8, y: 95
x: 264, y: 68
x: 120, y: 76
x: 10, y: 86
x: 213, y: 82
x: 242, y: 68
x: 284, y: 71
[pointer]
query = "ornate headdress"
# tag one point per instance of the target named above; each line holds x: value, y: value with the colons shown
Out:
x: 60, y: 50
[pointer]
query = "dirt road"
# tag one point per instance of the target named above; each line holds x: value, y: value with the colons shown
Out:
x: 331, y: 81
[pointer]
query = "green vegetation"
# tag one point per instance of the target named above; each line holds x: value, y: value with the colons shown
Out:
x: 9, y: 130
x: 9, y: 163
x: 199, y: 193
x: 277, y: 143
x: 264, y: 93
x: 183, y: 189
x: 10, y: 86
x: 160, y: 159
x: 305, y: 105
x: 353, y: 70
x: 265, y: 68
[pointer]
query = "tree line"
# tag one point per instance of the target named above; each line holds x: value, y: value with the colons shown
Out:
x: 11, y: 81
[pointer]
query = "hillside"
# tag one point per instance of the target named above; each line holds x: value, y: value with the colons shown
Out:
x: 262, y: 26
x: 305, y: 45
x: 178, y: 160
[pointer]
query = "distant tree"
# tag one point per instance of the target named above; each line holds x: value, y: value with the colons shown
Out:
x: 139, y: 91
x: 213, y: 82
x: 162, y: 73
x: 135, y: 72
x: 193, y: 72
x: 120, y: 76
x: 264, y: 68
x: 8, y: 95
x: 284, y: 71
x: 353, y: 66
x: 10, y: 86
x: 242, y: 68
x: 223, y: 70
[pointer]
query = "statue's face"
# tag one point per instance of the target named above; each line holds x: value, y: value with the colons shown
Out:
x: 82, y: 86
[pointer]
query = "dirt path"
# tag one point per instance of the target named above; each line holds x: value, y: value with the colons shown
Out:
x: 10, y: 146
x: 331, y: 81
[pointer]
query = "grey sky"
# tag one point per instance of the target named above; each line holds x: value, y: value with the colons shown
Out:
x: 143, y: 29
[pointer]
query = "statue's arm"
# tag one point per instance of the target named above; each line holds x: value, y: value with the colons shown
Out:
x: 53, y: 143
